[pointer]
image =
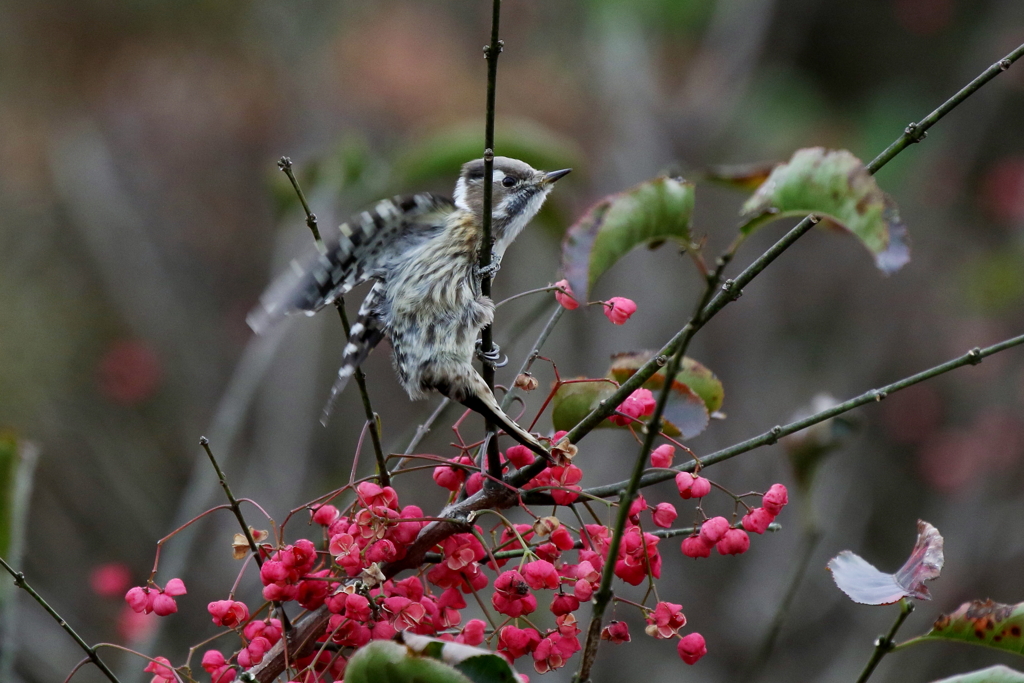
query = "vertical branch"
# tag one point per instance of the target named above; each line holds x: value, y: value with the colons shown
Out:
x: 285, y: 164
x: 604, y: 593
x: 491, y: 52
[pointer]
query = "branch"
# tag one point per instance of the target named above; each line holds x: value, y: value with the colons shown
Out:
x: 285, y: 164
x: 732, y: 289
x: 492, y: 51
x: 972, y: 357
x: 90, y: 651
x: 884, y: 644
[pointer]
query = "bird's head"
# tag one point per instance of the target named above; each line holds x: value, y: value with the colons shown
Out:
x: 518, y: 192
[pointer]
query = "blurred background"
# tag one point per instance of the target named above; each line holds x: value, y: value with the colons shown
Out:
x: 142, y: 213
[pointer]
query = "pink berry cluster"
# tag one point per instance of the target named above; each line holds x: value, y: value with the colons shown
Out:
x: 717, y: 532
x: 618, y: 309
x: 156, y: 600
x: 563, y: 480
x: 544, y: 567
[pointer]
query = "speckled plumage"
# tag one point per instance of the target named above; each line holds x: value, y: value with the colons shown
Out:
x: 422, y: 253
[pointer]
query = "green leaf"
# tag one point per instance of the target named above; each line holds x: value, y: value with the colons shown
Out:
x: 651, y: 212
x: 982, y: 623
x: 993, y: 674
x: 573, y: 402
x: 478, y: 664
x: 696, y: 393
x: 693, y: 374
x: 833, y: 184
x: 440, y: 156
x: 385, y: 661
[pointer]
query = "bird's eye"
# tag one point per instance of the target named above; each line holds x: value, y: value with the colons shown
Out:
x: 508, y: 181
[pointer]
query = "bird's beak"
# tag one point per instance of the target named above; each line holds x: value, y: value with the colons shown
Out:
x: 555, y: 175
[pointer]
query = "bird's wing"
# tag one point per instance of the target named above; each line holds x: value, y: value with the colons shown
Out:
x: 366, y: 244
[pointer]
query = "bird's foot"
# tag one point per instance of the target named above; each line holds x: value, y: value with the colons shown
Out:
x: 490, y: 270
x: 495, y: 358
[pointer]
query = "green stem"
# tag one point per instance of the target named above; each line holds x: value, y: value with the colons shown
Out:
x: 604, y: 593
x: 884, y: 644
x: 915, y: 132
x: 90, y: 652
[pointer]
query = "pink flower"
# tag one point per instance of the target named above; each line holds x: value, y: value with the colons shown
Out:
x: 540, y: 574
x: 775, y: 499
x: 512, y: 595
x: 325, y: 515
x: 160, y: 666
x: 564, y: 603
x: 757, y: 520
x: 616, y: 632
x: 582, y: 590
x: 520, y: 456
x: 639, y: 404
x: 691, y: 648
x: 175, y: 587
x: 690, y: 486
x: 713, y: 530
x: 164, y: 604
x: 562, y: 539
x: 566, y: 298
x: 213, y: 660
x: 662, y: 455
x: 665, y: 620
x: 567, y: 477
x: 139, y: 600
x: 734, y: 542
x: 619, y: 309
x: 695, y: 547
x: 472, y: 633
x: 517, y: 641
x: 664, y: 515
x: 228, y: 612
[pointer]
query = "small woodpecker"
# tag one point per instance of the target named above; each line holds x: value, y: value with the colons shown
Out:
x: 421, y: 251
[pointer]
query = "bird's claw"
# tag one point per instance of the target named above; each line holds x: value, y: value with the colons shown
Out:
x: 495, y: 358
x: 490, y: 270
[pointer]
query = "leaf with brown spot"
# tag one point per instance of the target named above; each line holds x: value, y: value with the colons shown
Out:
x: 982, y: 622
x: 865, y: 584
x: 833, y: 184
x: 651, y: 212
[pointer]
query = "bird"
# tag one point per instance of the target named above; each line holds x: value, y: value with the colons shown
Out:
x: 421, y: 252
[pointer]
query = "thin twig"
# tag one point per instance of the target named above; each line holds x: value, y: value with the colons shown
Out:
x: 884, y: 644
x: 90, y: 651
x: 236, y: 508
x: 285, y: 164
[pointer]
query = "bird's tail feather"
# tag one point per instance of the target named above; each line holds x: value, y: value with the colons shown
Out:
x: 485, y: 404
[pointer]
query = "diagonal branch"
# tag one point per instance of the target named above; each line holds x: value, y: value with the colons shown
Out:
x: 972, y: 357
x: 732, y: 289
